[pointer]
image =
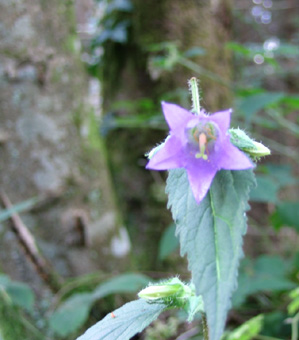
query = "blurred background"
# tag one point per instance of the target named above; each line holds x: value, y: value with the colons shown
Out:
x: 83, y: 225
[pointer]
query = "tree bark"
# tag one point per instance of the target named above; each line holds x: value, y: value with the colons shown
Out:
x: 50, y: 146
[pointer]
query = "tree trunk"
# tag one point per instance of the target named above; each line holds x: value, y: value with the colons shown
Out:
x: 50, y: 146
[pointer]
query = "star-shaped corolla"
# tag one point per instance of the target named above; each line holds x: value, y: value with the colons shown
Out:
x: 200, y: 144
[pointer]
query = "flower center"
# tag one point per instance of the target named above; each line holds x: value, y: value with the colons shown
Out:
x: 202, y: 138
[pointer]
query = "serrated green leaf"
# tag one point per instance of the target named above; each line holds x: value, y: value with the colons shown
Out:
x: 211, y: 235
x: 125, y: 322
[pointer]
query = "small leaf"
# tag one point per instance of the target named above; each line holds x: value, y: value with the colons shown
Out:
x: 193, y: 306
x: 211, y: 235
x: 126, y: 321
x: 18, y: 208
x: 20, y: 294
x: 169, y: 242
x: 286, y: 214
x: 293, y: 307
x: 248, y: 330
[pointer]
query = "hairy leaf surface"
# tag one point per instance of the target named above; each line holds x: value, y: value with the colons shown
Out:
x: 125, y: 322
x: 211, y: 235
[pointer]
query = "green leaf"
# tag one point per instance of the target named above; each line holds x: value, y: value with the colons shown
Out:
x: 267, y: 273
x: 73, y: 312
x: 250, y: 105
x: 18, y: 208
x: 127, y: 283
x: 193, y: 306
x: 169, y: 242
x: 266, y: 190
x: 125, y: 322
x: 286, y: 214
x: 211, y: 235
x: 19, y: 293
x: 293, y: 307
x: 248, y: 330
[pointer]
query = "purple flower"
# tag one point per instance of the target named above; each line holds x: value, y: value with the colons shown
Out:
x: 200, y: 144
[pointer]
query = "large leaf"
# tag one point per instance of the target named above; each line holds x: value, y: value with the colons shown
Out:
x: 73, y: 312
x: 211, y: 235
x: 125, y: 322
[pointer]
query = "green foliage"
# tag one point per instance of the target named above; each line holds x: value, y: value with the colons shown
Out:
x: 248, y: 330
x: 168, y: 243
x: 18, y: 293
x: 125, y: 322
x: 211, y: 236
x: 74, y: 311
x: 18, y: 208
x: 265, y: 191
x: 293, y: 307
x: 265, y: 274
x: 14, y: 324
x: 286, y: 214
x: 252, y: 104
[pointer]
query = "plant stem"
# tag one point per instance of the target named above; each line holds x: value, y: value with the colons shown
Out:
x: 205, y: 327
x: 295, y: 321
x: 193, y: 84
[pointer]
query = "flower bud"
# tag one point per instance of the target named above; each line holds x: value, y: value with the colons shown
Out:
x: 173, y: 288
x: 260, y: 150
x: 254, y: 149
x: 160, y: 291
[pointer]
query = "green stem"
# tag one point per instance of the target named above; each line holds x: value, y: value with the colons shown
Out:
x: 295, y: 321
x: 193, y: 83
x: 205, y: 327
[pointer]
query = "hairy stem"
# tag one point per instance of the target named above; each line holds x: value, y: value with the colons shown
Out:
x: 193, y: 85
x: 205, y: 327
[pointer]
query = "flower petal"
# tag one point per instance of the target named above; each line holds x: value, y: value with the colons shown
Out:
x: 170, y: 156
x: 176, y: 116
x: 200, y: 175
x: 231, y: 158
x: 222, y: 119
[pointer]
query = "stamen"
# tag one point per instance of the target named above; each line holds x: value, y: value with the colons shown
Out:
x: 202, y: 143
